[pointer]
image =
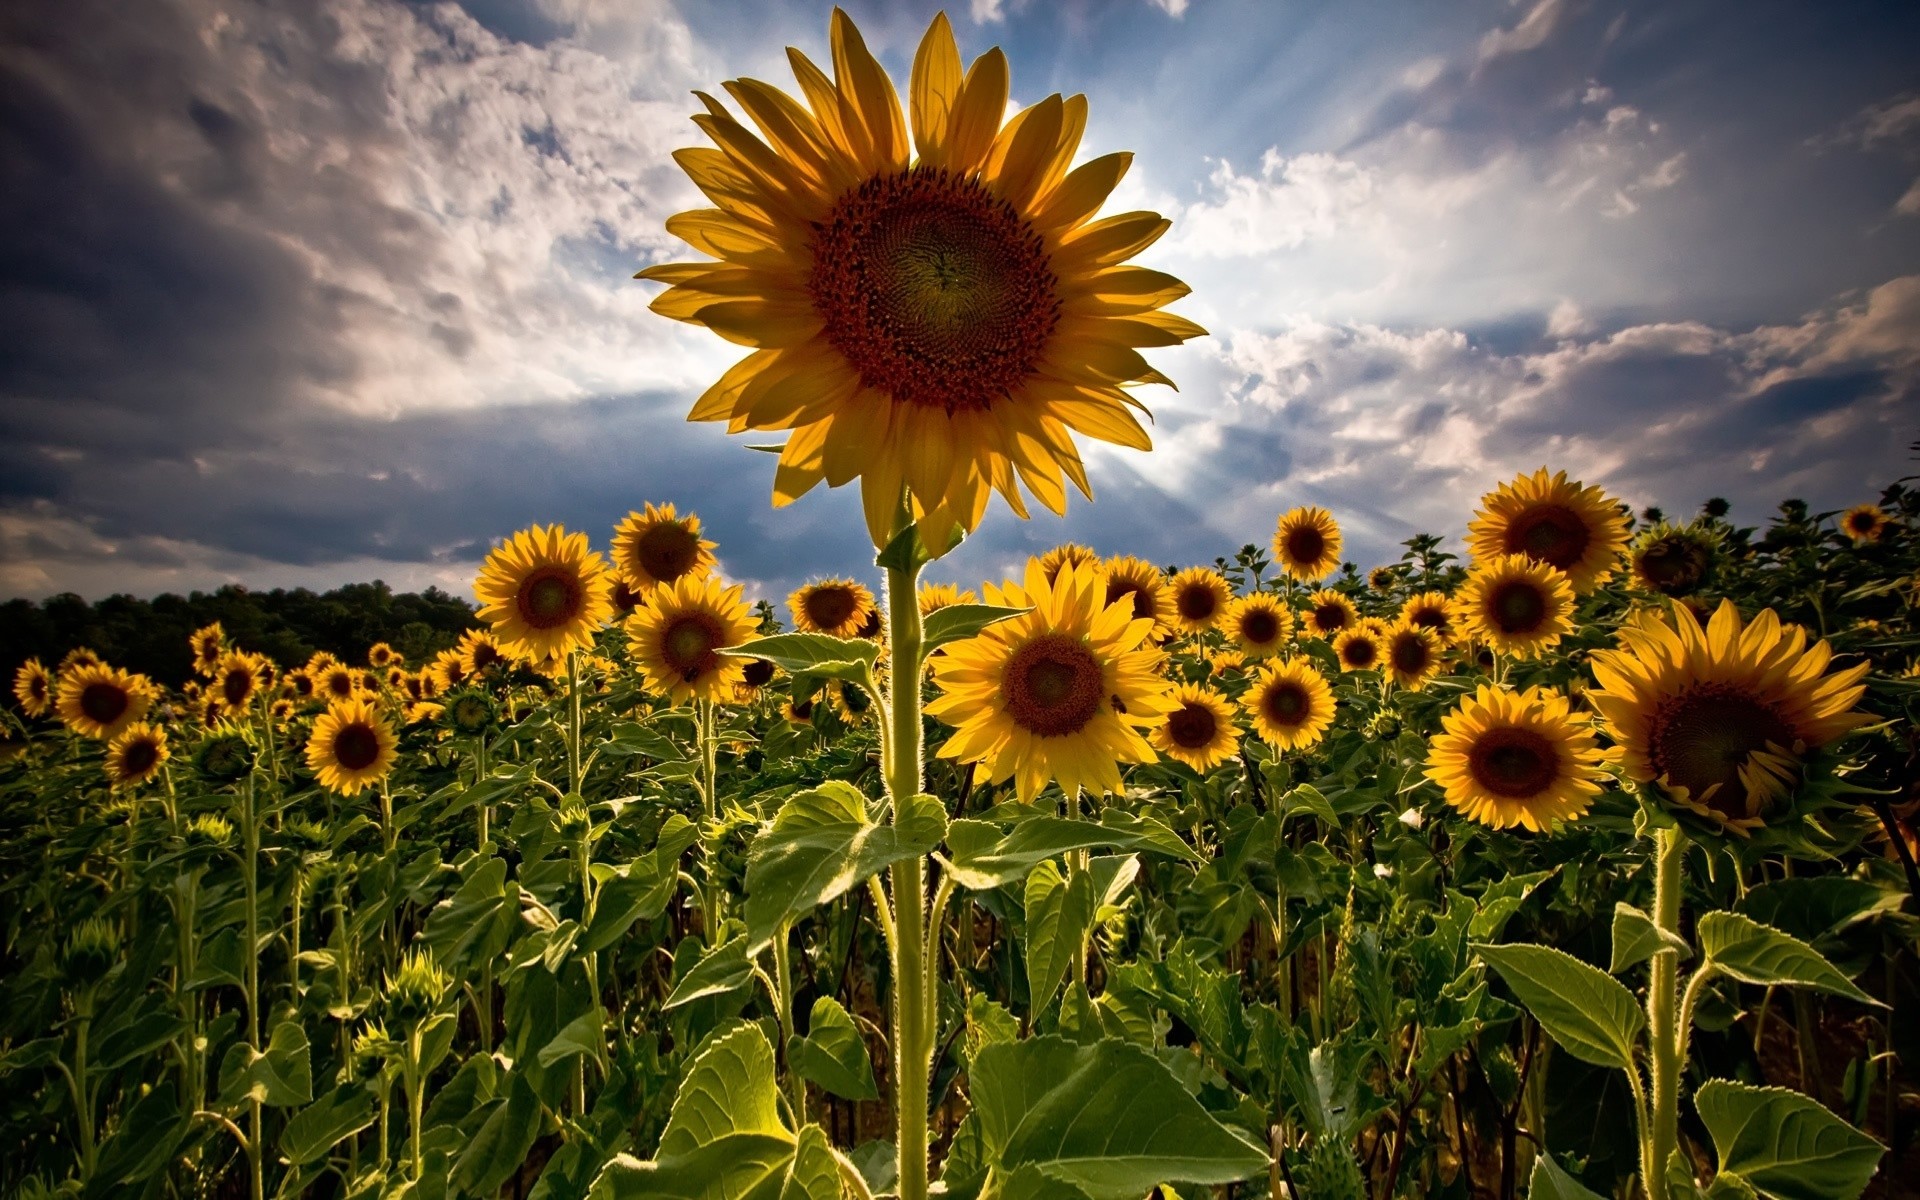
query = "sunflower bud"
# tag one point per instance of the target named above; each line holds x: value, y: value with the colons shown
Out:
x: 371, y: 1046
x: 225, y: 757
x: 415, y: 991
x: 209, y: 831
x: 470, y: 713
x: 90, y: 951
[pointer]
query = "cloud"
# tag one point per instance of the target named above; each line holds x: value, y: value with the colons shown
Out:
x: 1173, y: 8
x: 1530, y: 33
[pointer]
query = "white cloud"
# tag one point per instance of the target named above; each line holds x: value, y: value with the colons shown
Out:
x: 987, y: 11
x: 1173, y: 8
x: 1909, y: 203
x: 1530, y: 33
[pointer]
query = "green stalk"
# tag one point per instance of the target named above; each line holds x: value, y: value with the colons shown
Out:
x: 783, y: 998
x: 1662, y: 1135
x: 712, y: 897
x: 250, y: 870
x: 912, y: 1027
x: 483, y: 1000
x: 416, y: 1095
x: 82, y: 1094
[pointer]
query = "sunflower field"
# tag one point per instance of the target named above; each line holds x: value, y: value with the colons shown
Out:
x: 1579, y: 863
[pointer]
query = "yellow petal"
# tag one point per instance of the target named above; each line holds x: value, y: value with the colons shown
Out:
x: 717, y: 402
x: 937, y: 78
x: 1083, y: 191
x: 1022, y: 150
x: 976, y: 116
x: 1111, y: 240
x: 761, y: 323
x: 864, y: 85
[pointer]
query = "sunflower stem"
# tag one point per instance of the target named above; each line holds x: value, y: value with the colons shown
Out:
x: 1661, y: 1136
x: 912, y: 982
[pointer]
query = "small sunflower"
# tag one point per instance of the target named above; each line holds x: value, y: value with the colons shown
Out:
x: 1222, y: 663
x: 1411, y: 655
x: 1516, y: 605
x: 874, y: 627
x: 1200, y: 598
x: 659, y: 546
x: 1201, y: 732
x: 74, y: 659
x: 1865, y: 523
x: 337, y: 682
x: 677, y: 633
x: 1563, y: 523
x: 545, y: 592
x: 135, y: 756
x: 207, y: 643
x: 1328, y: 613
x: 1516, y: 758
x: 837, y: 607
x: 396, y: 678
x: 1140, y: 581
x: 849, y: 701
x: 1383, y: 579
x: 237, y: 678
x: 798, y: 711
x: 380, y: 656
x: 1258, y: 624
x: 1358, y: 649
x: 1722, y: 717
x: 281, y: 711
x: 1061, y: 693
x: 1306, y: 543
x: 755, y: 675
x: 625, y: 599
x: 447, y: 671
x: 933, y: 597
x: 1290, y: 704
x: 99, y: 701
x: 1431, y: 611
x: 1673, y: 560
x: 33, y: 687
x: 352, y: 747
x: 479, y: 652
x: 1067, y: 554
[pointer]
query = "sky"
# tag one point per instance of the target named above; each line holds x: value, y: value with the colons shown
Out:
x: 304, y: 292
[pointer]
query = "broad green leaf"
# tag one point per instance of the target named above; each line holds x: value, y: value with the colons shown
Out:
x: 280, y: 1076
x: 139, y: 1039
x: 325, y: 1123
x: 1587, y: 1011
x: 1059, y: 913
x: 1549, y: 1182
x: 729, y: 1088
x: 497, y: 1151
x: 726, y: 968
x: 983, y: 857
x: 1307, y: 801
x: 833, y: 1054
x: 637, y: 891
x: 581, y: 1036
x: 43, y: 1052
x: 1755, y: 953
x: 816, y: 654
x: 1636, y: 938
x: 1108, y: 1119
x: 957, y: 621
x: 739, y: 1166
x: 146, y: 1138
x: 1783, y: 1144
x: 822, y: 844
x: 478, y: 919
x: 1819, y: 906
x: 1500, y: 901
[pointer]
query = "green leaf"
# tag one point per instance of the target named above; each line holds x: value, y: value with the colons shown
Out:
x: 849, y: 659
x: 725, y: 968
x: 1059, y: 913
x: 637, y: 891
x: 983, y: 857
x: 1819, y: 906
x: 1587, y: 1011
x: 581, y: 1036
x: 325, y: 1123
x: 1636, y: 938
x: 1108, y: 1119
x: 1755, y: 953
x: 478, y: 919
x: 1500, y: 901
x: 958, y: 621
x: 823, y: 843
x: 145, y: 1139
x: 1306, y: 800
x: 833, y: 1054
x: 281, y: 1076
x: 1784, y: 1145
x: 729, y: 1089
x: 137, y: 1040
x: 497, y: 1151
x: 1549, y: 1182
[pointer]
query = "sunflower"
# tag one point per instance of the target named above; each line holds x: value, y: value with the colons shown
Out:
x: 33, y: 687
x: 207, y: 643
x: 1140, y: 581
x: 625, y: 599
x: 1516, y: 605
x: 1258, y: 624
x: 1200, y: 597
x: 447, y: 671
x: 237, y: 678
x: 849, y: 701
x: 927, y: 301
x: 1068, y: 554
x: 99, y: 701
x: 874, y: 627
x: 1290, y: 703
x: 337, y: 682
x: 74, y: 659
x: 1722, y: 717
x: 380, y: 656
x: 659, y: 546
x: 351, y: 747
x: 1383, y: 579
x: 1358, y: 649
x: 1329, y: 612
x: 932, y: 597
x: 837, y: 607
x: 1061, y: 693
x: 479, y: 652
x: 755, y: 675
x: 1563, y: 523
x: 1431, y: 611
x: 134, y: 757
x: 395, y: 678
x: 1306, y: 543
x: 677, y: 633
x: 1864, y: 523
x: 1411, y: 655
x: 1225, y: 662
x: 281, y: 711
x: 798, y: 711
x: 1673, y: 560
x: 1506, y: 759
x: 544, y: 592
x: 1201, y: 732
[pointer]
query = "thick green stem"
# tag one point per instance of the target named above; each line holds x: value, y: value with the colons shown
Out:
x: 416, y: 1095
x: 783, y: 999
x: 712, y: 895
x: 912, y: 1029
x: 1661, y: 1136
x: 82, y: 1094
x: 250, y: 867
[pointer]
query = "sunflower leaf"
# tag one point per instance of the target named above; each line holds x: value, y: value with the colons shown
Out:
x: 1754, y: 953
x: 958, y: 621
x: 983, y: 857
x: 833, y: 1054
x: 1636, y: 938
x: 816, y: 654
x: 1784, y: 1145
x: 1587, y: 1011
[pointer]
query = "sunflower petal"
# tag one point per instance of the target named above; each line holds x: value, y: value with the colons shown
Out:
x: 977, y: 114
x: 937, y: 78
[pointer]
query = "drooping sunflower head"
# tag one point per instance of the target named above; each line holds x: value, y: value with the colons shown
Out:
x: 480, y: 653
x: 33, y: 688
x: 1509, y: 759
x: 676, y: 635
x: 545, y: 592
x: 135, y: 757
x: 1062, y: 693
x: 1515, y: 605
x: 1260, y: 625
x: 1865, y: 523
x: 380, y: 656
x: 352, y: 747
x: 927, y: 297
x: 1431, y: 611
x: 207, y: 643
x: 1290, y: 704
x: 470, y: 712
x: 849, y: 701
x: 1306, y: 543
x: 798, y: 710
x: 1200, y: 598
x: 1722, y: 717
x: 1141, y: 583
x: 838, y: 607
x: 1576, y: 529
x: 659, y: 546
x: 1674, y: 560
x: 237, y: 678
x: 1068, y: 554
x: 98, y: 701
x: 1411, y: 655
x: 933, y: 597
x: 226, y: 754
x: 1328, y: 613
x: 1201, y: 732
x: 1358, y: 648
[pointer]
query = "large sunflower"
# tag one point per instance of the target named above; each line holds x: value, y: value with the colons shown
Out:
x: 1290, y: 703
x: 928, y: 300
x: 1411, y: 655
x: 1516, y: 605
x: 1258, y: 624
x: 1721, y: 717
x: 135, y: 756
x: 677, y: 633
x: 1200, y: 597
x: 1329, y: 612
x: 545, y: 592
x: 1864, y: 523
x: 1063, y: 692
x: 352, y: 747
x: 1141, y: 582
x: 99, y: 701
x: 33, y: 687
x: 1505, y: 758
x: 1306, y: 543
x: 1553, y: 520
x: 1201, y: 732
x: 839, y: 607
x: 659, y: 546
